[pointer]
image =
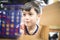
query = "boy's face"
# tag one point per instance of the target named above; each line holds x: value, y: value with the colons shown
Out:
x: 30, y: 17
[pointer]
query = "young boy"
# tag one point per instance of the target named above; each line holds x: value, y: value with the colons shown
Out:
x: 30, y: 16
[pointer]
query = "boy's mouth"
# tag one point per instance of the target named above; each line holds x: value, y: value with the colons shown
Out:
x: 27, y: 21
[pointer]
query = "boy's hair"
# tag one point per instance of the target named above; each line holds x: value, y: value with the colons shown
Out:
x: 27, y: 6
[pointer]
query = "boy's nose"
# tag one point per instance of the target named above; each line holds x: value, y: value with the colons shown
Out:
x: 27, y: 17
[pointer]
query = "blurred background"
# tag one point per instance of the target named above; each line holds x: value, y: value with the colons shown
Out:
x: 10, y: 18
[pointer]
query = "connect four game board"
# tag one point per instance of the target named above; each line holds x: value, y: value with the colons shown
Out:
x: 10, y: 22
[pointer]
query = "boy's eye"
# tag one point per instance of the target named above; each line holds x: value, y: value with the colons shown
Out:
x: 24, y: 14
x: 30, y: 14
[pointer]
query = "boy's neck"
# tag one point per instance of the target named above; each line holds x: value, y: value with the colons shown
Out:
x: 32, y: 29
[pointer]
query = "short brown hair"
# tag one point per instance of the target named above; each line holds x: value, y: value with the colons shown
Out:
x: 27, y: 6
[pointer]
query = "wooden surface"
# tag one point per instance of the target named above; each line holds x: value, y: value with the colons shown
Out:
x: 8, y: 39
x: 54, y: 30
x: 51, y: 14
